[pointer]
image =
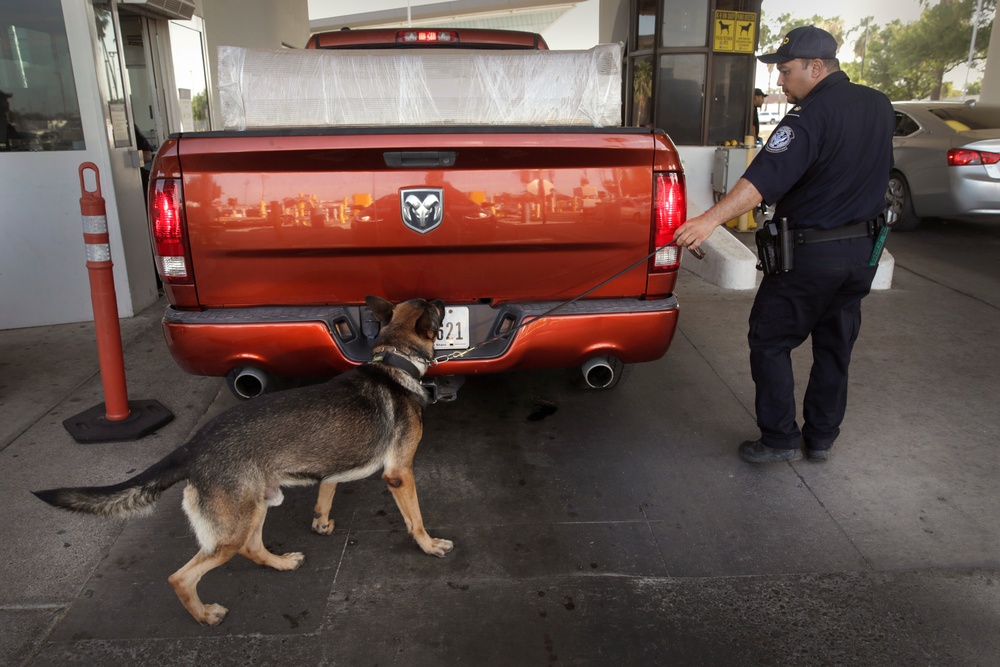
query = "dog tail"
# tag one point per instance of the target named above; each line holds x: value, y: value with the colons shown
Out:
x: 133, y: 497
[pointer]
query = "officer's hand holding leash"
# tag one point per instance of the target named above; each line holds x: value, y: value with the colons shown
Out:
x: 741, y: 199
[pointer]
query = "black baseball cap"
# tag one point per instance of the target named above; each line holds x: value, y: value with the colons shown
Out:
x: 757, y: 92
x: 806, y: 42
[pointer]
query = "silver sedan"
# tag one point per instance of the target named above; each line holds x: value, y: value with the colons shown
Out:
x: 947, y: 162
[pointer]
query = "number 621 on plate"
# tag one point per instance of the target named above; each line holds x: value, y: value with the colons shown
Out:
x: 454, y: 331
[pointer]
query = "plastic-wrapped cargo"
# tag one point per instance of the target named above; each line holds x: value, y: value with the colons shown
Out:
x: 262, y: 88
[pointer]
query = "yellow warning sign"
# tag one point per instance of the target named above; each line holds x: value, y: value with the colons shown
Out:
x: 735, y: 32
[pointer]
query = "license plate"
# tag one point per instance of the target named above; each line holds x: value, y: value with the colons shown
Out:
x: 454, y: 331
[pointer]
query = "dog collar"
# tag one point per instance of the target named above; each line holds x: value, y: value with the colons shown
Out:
x: 398, y: 361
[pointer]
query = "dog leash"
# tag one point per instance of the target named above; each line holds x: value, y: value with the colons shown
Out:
x: 697, y: 252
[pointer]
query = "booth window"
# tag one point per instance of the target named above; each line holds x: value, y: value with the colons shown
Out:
x: 645, y: 36
x: 680, y: 97
x: 680, y: 79
x: 642, y: 91
x: 685, y: 23
x: 110, y: 77
x: 39, y: 110
x: 732, y: 92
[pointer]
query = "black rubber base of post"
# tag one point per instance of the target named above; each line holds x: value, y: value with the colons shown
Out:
x: 92, y: 425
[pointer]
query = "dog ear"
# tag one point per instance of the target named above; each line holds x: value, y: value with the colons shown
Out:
x: 430, y: 320
x: 382, y: 308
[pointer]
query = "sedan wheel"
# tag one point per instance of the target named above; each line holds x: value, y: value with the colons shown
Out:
x: 898, y: 197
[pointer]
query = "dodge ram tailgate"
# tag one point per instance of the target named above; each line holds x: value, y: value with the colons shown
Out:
x: 471, y: 215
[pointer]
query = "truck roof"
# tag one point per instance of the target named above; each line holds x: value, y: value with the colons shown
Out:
x: 429, y: 37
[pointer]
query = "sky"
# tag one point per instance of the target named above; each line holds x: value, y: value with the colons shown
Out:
x: 852, y: 11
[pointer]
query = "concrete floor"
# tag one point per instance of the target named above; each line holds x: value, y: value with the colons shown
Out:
x: 590, y: 528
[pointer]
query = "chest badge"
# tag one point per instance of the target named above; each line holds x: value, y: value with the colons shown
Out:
x: 422, y: 209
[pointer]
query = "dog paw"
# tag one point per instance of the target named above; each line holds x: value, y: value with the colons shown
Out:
x: 291, y: 561
x: 214, y: 614
x: 439, y: 547
x: 322, y: 528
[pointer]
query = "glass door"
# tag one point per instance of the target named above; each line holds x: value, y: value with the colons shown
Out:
x: 143, y: 88
x: 187, y: 43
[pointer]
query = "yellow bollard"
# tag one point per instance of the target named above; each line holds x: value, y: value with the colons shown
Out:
x: 746, y: 221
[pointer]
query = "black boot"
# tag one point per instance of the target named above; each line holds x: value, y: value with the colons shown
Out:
x: 755, y: 451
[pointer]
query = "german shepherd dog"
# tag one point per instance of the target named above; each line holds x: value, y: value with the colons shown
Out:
x: 368, y: 419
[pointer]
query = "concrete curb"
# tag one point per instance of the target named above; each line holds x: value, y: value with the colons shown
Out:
x: 730, y: 264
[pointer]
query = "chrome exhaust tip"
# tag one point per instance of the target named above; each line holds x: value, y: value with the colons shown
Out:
x: 600, y: 372
x: 248, y: 382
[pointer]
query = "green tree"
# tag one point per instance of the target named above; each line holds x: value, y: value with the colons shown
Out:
x: 909, y: 61
x: 772, y: 31
x: 947, y: 28
x: 199, y: 106
x: 864, y: 31
x: 894, y: 62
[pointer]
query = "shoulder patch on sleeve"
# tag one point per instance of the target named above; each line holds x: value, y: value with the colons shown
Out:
x: 780, y: 139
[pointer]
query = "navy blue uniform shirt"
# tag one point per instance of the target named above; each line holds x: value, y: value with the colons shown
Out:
x: 827, y: 163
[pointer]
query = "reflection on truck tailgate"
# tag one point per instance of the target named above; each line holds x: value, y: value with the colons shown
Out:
x: 542, y: 216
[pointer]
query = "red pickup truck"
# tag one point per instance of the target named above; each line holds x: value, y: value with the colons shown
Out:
x: 267, y: 240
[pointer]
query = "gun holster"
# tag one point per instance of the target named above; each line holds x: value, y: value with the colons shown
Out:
x: 774, y: 248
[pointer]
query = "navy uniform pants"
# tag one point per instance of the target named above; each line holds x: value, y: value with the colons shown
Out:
x: 821, y: 297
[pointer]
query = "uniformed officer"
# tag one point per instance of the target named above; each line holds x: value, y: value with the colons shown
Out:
x: 826, y: 168
x: 758, y: 102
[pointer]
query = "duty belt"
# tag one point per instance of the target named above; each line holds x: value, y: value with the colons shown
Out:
x: 856, y: 231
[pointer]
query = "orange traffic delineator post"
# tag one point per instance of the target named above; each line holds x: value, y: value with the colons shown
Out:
x: 117, y: 418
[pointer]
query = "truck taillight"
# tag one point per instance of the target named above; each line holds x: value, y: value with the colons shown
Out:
x: 960, y: 157
x: 427, y: 36
x: 669, y: 213
x: 166, y: 220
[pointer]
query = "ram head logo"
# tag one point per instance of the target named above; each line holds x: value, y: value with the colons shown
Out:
x: 422, y: 208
